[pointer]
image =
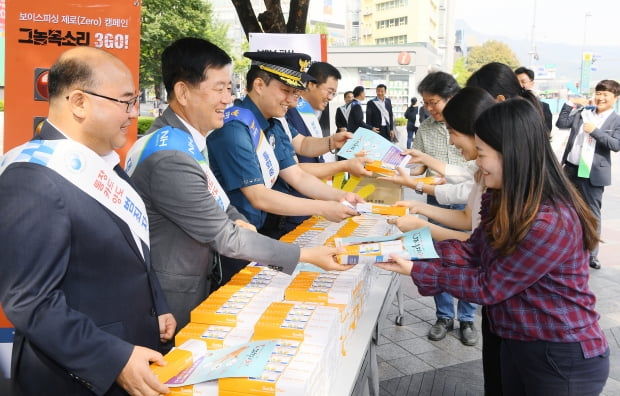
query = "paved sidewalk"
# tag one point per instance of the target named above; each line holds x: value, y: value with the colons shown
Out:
x: 411, y: 364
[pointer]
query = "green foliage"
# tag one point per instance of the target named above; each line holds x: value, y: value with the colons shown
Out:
x: 491, y: 51
x: 460, y: 72
x: 400, y: 121
x: 242, y: 64
x: 1, y: 105
x: 144, y: 123
x: 164, y: 21
x: 317, y: 28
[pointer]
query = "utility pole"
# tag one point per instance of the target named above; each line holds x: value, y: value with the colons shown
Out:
x: 586, y: 60
x: 533, y: 53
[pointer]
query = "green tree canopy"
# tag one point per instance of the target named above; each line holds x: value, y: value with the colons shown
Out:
x: 478, y: 56
x: 164, y: 21
x: 491, y: 51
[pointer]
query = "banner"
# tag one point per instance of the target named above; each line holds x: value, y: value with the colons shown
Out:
x: 38, y: 31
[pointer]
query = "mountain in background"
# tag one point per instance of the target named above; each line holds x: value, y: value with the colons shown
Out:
x: 566, y: 58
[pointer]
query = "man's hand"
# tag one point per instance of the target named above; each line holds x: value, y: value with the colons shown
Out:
x: 337, y: 211
x: 340, y: 138
x: 353, y: 198
x: 397, y: 264
x: 167, y: 325
x: 356, y: 166
x: 588, y: 127
x: 323, y: 257
x: 137, y: 378
x: 245, y: 224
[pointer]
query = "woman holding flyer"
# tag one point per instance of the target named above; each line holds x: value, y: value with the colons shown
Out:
x: 527, y: 261
x: 460, y: 114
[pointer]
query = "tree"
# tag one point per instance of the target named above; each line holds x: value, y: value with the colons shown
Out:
x: 460, y: 72
x: 164, y: 21
x: 490, y: 51
x: 272, y: 20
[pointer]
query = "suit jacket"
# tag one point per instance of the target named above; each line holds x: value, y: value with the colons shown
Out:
x: 374, y: 116
x: 73, y: 283
x: 341, y: 120
x: 547, y: 114
x: 356, y: 117
x: 607, y: 139
x: 187, y: 226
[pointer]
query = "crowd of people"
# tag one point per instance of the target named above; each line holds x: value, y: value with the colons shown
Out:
x: 103, y: 262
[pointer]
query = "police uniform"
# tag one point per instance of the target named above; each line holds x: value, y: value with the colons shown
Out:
x: 232, y: 153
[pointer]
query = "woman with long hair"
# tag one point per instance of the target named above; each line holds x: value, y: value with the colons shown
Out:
x: 527, y: 261
x: 460, y: 114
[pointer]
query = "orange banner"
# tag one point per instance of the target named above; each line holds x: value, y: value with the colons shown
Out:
x: 38, y: 31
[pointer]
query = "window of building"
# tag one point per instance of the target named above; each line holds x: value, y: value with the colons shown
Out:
x: 401, y: 21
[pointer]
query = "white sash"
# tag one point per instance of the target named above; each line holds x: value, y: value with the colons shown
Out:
x: 90, y: 173
x: 384, y: 113
x: 588, y: 146
x: 269, y: 166
x: 169, y: 138
x: 345, y: 110
x: 310, y: 119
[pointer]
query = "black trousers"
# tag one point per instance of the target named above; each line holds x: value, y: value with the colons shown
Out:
x: 542, y: 368
x: 593, y: 195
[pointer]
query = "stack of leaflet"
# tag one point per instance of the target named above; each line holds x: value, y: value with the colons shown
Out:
x: 242, y: 300
x: 295, y: 368
x: 345, y: 291
x: 308, y: 317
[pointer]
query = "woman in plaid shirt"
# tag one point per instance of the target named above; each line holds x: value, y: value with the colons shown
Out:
x: 527, y: 261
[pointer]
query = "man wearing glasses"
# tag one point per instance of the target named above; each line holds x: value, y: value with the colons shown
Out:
x: 192, y: 218
x: 248, y: 169
x: 77, y: 281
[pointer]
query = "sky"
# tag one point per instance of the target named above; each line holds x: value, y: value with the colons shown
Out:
x: 558, y: 21
x: 561, y: 32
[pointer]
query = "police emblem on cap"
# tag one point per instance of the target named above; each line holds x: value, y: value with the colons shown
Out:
x: 287, y: 67
x: 303, y: 65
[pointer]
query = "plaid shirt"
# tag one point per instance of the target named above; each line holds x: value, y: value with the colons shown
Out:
x: 539, y: 292
x: 433, y: 139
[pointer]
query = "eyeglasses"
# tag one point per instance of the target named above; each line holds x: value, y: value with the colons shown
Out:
x: 432, y: 104
x: 295, y: 93
x: 131, y: 103
x: 329, y: 91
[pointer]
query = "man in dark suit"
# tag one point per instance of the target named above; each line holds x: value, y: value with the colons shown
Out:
x: 191, y: 216
x: 598, y: 129
x: 379, y: 113
x: 77, y: 281
x: 526, y: 79
x: 356, y: 113
x: 342, y: 113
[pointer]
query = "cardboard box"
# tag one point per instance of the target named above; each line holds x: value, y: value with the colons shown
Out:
x: 385, y: 192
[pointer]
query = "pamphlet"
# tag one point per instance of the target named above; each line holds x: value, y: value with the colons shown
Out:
x: 412, y: 245
x: 376, y: 147
x: 245, y: 360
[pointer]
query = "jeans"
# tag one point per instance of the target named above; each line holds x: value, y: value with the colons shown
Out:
x: 444, y: 306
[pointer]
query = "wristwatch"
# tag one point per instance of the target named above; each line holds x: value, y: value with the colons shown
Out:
x: 419, y: 188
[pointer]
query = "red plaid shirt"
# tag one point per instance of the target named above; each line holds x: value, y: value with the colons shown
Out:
x: 539, y: 292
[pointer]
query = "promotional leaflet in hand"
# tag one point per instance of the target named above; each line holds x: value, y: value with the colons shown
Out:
x: 246, y: 360
x: 376, y: 147
x: 412, y: 245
